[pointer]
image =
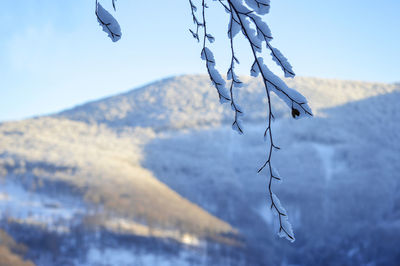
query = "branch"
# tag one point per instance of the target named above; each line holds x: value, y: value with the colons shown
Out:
x: 108, y: 22
x: 245, y: 18
x: 284, y: 225
x: 198, y: 24
x: 236, y: 125
x: 208, y: 56
x: 113, y: 4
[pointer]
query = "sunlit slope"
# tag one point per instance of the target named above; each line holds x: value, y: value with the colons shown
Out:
x: 191, y: 101
x: 104, y: 168
x: 12, y: 253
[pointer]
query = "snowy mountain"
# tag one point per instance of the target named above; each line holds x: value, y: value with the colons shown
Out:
x: 155, y: 176
x: 190, y: 102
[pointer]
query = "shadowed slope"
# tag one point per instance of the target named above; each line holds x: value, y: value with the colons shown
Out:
x: 340, y: 182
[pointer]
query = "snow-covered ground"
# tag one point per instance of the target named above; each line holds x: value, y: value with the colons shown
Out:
x: 126, y: 256
x: 326, y: 153
x: 28, y: 207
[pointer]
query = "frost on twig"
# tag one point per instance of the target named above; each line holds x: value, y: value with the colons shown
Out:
x: 195, y: 21
x: 215, y: 76
x: 206, y: 54
x: 246, y: 17
x: 108, y: 22
x: 234, y: 29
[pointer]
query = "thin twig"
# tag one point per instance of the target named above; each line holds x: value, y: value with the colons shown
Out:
x: 270, y: 117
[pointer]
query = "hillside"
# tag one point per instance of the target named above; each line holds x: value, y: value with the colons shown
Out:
x: 340, y: 174
x: 189, y: 101
x: 101, y: 166
x: 156, y: 174
x: 11, y: 252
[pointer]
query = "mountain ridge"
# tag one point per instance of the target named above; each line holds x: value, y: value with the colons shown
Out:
x: 191, y: 101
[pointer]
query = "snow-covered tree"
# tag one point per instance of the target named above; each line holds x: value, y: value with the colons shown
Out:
x: 245, y: 17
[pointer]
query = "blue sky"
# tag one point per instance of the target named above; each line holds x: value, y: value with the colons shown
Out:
x: 53, y: 54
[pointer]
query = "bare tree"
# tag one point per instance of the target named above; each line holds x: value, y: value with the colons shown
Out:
x: 245, y: 16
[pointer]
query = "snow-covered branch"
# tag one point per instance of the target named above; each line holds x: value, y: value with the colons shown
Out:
x: 246, y: 19
x: 231, y: 75
x: 195, y: 21
x: 208, y: 56
x: 245, y: 16
x: 108, y: 22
